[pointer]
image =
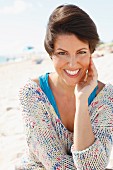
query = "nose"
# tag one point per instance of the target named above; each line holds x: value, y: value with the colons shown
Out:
x: 72, y: 61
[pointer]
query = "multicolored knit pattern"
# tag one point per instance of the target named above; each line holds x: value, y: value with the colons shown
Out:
x: 51, y: 144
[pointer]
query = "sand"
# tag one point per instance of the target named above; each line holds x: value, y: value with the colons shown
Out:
x: 12, y: 77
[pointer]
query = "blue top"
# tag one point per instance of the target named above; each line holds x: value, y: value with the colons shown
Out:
x: 43, y: 81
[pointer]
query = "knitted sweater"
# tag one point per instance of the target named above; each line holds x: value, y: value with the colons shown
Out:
x: 51, y: 144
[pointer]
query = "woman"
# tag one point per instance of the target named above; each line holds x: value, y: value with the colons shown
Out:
x: 68, y: 113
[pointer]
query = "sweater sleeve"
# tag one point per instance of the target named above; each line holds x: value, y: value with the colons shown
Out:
x: 97, y: 155
x: 42, y: 139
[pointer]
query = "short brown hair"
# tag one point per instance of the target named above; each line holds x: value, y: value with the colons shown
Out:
x: 70, y: 19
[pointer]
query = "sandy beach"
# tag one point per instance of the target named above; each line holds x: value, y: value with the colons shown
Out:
x: 12, y: 77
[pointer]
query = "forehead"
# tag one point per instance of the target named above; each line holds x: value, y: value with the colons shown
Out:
x: 69, y: 41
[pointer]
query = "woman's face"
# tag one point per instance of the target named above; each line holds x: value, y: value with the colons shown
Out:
x: 71, y: 58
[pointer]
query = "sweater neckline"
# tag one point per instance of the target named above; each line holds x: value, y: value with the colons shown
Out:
x: 100, y: 95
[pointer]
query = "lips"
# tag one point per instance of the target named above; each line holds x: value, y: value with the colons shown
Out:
x: 72, y: 73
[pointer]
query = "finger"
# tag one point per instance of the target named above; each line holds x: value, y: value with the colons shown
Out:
x: 92, y: 74
x: 92, y: 71
x: 93, y: 68
x: 86, y: 76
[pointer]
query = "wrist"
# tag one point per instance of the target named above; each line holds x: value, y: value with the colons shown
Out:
x: 82, y: 100
x: 81, y: 96
x: 81, y: 105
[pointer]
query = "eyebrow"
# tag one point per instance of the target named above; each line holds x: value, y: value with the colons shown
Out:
x: 77, y: 50
x: 83, y: 49
x: 61, y: 49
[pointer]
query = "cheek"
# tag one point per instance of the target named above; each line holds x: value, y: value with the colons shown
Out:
x: 58, y: 63
x: 86, y: 63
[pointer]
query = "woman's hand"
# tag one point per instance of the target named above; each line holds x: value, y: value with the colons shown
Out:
x: 83, y: 133
x: 86, y: 86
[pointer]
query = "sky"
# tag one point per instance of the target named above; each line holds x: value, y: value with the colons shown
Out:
x: 23, y: 22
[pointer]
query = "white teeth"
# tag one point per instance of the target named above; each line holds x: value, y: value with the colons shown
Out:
x: 72, y: 72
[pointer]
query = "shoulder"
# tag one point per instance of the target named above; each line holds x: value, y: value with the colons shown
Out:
x: 41, y: 79
x: 100, y: 86
x: 105, y: 88
x: 105, y: 96
x: 102, y: 108
x: 36, y: 80
x: 29, y: 89
x: 105, y: 91
x: 32, y: 99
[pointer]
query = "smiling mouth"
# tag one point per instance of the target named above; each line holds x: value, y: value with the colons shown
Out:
x: 72, y: 73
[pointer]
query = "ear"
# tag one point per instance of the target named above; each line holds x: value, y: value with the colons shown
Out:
x: 50, y: 57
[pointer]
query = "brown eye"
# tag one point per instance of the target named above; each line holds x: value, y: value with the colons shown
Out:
x: 61, y: 53
x: 82, y: 52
